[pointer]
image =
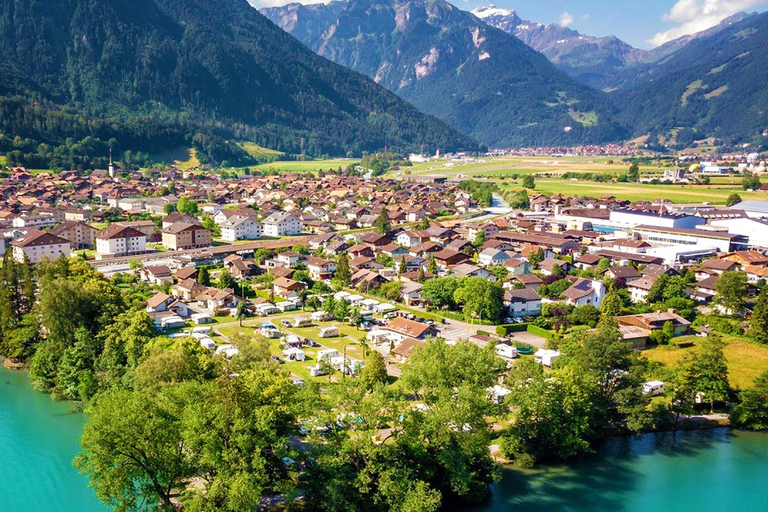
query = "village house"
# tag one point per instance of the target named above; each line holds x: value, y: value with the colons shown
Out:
x: 216, y: 300
x: 320, y: 269
x: 287, y: 288
x: 117, y: 240
x: 638, y: 288
x: 585, y: 292
x: 157, y: 274
x: 637, y: 329
x: 522, y: 302
x: 490, y: 257
x: 183, y: 235
x: 38, y: 245
x: 161, y: 304
x: 188, y: 289
x: 411, y: 293
x: 145, y: 226
x: 401, y: 328
x: 175, y: 217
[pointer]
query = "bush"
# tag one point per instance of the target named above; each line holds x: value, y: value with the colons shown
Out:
x: 720, y: 324
x: 506, y: 329
x: 538, y: 331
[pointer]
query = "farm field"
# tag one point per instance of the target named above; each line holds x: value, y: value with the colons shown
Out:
x: 305, y: 166
x: 507, y: 166
x: 639, y: 191
x: 746, y: 360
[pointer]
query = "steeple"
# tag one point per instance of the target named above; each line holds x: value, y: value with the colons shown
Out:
x: 111, y: 165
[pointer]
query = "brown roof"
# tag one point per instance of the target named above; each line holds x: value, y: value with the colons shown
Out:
x: 186, y: 272
x: 407, y: 346
x: 36, y: 238
x: 157, y: 299
x: 408, y: 327
x: 581, y: 288
x: 118, y: 231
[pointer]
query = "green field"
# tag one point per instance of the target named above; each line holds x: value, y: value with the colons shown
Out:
x: 183, y: 157
x: 746, y: 359
x: 306, y: 166
x: 255, y: 150
x: 2, y: 159
x: 507, y: 166
x: 639, y: 191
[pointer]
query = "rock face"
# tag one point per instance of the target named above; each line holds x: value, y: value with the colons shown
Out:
x: 451, y: 64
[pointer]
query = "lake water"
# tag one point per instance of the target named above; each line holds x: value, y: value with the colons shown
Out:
x: 704, y: 471
x: 38, y: 440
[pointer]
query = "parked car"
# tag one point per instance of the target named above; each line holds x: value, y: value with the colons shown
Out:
x: 312, y: 343
x: 277, y: 360
x: 285, y: 323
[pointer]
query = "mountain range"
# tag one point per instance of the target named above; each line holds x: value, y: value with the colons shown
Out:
x: 151, y: 73
x: 451, y: 64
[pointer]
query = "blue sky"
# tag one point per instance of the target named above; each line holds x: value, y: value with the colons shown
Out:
x: 642, y: 23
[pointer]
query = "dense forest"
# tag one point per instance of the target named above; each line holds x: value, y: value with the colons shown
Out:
x: 154, y: 73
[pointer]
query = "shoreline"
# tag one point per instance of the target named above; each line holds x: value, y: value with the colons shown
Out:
x: 12, y: 365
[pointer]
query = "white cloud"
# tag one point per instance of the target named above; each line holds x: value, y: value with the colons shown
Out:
x: 691, y: 16
x: 586, y: 16
x: 566, y: 20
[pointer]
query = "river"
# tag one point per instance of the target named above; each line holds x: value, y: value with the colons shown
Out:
x: 703, y: 471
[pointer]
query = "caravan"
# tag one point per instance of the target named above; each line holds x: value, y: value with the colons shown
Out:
x: 329, y: 332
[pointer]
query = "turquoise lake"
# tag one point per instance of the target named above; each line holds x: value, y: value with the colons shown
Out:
x: 704, y: 471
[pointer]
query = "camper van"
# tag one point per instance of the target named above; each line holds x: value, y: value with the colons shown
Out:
x: 653, y: 388
x: 302, y: 322
x: 506, y: 351
x: 320, y: 316
x: 327, y: 354
x: 329, y: 332
x: 546, y: 357
x: 202, y: 330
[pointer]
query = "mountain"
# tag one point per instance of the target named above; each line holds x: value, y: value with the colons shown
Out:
x: 714, y: 86
x: 450, y: 64
x: 156, y: 72
x: 591, y: 60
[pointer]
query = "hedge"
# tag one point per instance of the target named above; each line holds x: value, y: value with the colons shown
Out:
x: 505, y: 329
x: 538, y: 331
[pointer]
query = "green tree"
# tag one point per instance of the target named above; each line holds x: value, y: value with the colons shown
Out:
x: 422, y: 276
x: 439, y: 292
x: 480, y: 299
x: 240, y: 312
x: 732, y: 200
x: 133, y: 450
x: 391, y: 291
x: 341, y: 310
x: 758, y: 324
x: 611, y: 305
x: 432, y: 265
x: 252, y: 352
x: 375, y: 371
x: 730, y: 291
x: 188, y: 206
x: 313, y: 303
x: 382, y: 225
x: 204, y: 276
x: 603, y: 265
x: 752, y: 411
x: 751, y: 183
x: 343, y: 272
x: 633, y: 174
x: 529, y: 182
x: 536, y: 257
x: 226, y: 280
x: 705, y: 372
x: 479, y: 238
x: 169, y: 208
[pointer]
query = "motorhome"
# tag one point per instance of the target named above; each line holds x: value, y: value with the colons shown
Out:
x: 653, y: 388
x: 302, y: 322
x: 329, y: 332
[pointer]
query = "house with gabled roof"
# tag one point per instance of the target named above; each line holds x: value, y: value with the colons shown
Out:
x: 585, y: 292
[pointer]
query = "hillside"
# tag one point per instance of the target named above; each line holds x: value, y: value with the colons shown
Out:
x: 449, y: 63
x: 592, y: 60
x: 714, y: 86
x: 154, y: 74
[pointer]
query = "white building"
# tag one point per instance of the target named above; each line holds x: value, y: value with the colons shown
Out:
x: 240, y: 228
x: 723, y: 242
x: 629, y: 218
x: 585, y: 292
x: 756, y: 230
x: 282, y: 224
x: 37, y: 245
x: 116, y: 240
x: 34, y: 221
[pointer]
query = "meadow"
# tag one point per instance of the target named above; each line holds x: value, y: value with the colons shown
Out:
x: 746, y: 359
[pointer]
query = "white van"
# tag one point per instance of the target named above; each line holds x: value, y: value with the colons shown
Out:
x: 329, y: 332
x: 321, y: 316
x: 653, y: 388
x: 302, y: 322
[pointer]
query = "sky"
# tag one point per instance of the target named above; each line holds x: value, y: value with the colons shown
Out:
x: 641, y: 23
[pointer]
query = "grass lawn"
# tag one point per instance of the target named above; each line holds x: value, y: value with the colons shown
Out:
x: 255, y: 150
x: 639, y: 191
x: 305, y: 166
x: 2, y: 160
x: 183, y: 157
x: 746, y: 359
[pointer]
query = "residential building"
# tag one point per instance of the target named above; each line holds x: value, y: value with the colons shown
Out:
x: 585, y: 292
x: 184, y: 235
x: 281, y: 224
x: 79, y: 234
x: 490, y: 257
x: 320, y: 269
x: 173, y: 218
x: 38, y: 245
x: 240, y: 228
x: 638, y: 288
x: 34, y: 221
x: 145, y: 226
x: 117, y: 240
x: 287, y: 288
x: 637, y: 329
x: 523, y: 302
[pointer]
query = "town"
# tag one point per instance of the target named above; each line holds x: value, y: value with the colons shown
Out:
x: 337, y: 275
